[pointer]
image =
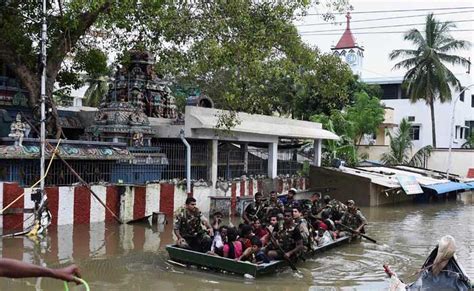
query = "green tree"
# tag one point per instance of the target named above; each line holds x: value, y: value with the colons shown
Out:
x: 195, y: 34
x: 365, y: 115
x: 401, y: 147
x: 427, y: 77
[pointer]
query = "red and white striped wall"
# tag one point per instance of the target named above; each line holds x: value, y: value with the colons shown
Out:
x: 74, y: 205
x: 79, y: 242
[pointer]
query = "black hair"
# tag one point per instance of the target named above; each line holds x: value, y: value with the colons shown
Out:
x: 190, y: 200
x: 256, y: 242
x: 258, y: 194
x: 245, y: 230
x: 231, y: 234
x: 327, y: 198
x: 299, y: 208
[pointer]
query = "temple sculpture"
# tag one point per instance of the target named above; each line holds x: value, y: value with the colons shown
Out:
x: 135, y: 93
x: 18, y: 130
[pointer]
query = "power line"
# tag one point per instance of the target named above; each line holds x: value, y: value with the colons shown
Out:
x: 383, y: 18
x: 398, y: 10
x: 378, y: 32
x: 376, y: 27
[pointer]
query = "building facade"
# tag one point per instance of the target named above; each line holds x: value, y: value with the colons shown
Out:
x: 461, y: 107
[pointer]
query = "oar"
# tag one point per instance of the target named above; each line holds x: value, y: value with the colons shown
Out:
x: 292, y: 265
x: 362, y: 235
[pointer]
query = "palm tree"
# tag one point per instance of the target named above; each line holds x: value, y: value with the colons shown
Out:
x: 98, y: 88
x: 401, y: 147
x: 427, y: 77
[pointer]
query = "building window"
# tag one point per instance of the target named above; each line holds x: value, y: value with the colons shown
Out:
x: 470, y: 127
x: 456, y: 130
x: 390, y: 91
x: 461, y: 97
x: 472, y: 101
x: 415, y: 132
x: 411, y: 118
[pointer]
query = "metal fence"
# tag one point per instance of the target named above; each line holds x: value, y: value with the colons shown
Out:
x: 290, y: 162
x: 166, y: 161
x: 176, y: 154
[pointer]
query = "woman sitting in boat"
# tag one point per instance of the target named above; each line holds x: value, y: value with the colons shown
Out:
x: 232, y: 247
x: 258, y: 229
x: 188, y: 227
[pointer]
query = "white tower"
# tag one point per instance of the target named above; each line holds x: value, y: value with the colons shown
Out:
x: 348, y: 50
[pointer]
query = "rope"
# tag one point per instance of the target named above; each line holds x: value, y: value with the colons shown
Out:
x: 83, y: 282
x: 37, y: 182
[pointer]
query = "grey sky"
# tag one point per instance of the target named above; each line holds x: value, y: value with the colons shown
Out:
x: 378, y: 46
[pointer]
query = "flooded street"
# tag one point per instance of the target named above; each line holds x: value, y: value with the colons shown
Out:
x: 132, y: 257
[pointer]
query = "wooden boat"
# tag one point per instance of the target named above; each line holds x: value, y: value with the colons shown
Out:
x: 187, y: 257
x: 452, y: 277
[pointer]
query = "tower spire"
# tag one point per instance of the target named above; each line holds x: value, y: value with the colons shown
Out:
x: 348, y: 20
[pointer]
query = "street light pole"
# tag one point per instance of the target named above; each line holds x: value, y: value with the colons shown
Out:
x: 452, y: 130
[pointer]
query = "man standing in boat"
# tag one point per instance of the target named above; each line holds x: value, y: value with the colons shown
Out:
x: 188, y: 227
x: 353, y: 221
x: 255, y: 210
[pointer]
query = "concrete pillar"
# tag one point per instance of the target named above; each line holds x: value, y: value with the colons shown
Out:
x: 317, y: 153
x: 214, y: 162
x: 272, y: 159
x: 245, y: 148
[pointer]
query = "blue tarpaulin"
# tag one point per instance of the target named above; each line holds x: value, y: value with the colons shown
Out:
x: 442, y: 188
x: 470, y: 185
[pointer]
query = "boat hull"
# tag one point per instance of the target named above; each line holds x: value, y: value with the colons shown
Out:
x: 189, y: 257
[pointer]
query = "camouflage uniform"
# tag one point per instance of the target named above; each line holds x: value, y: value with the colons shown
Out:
x: 304, y: 229
x: 190, y: 228
x: 353, y: 220
x: 273, y: 207
x: 254, y: 211
x: 337, y: 209
x: 287, y: 238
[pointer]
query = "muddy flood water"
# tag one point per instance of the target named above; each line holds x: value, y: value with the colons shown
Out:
x: 132, y: 257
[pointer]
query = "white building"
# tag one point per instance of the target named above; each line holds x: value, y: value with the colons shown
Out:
x: 462, y: 106
x: 399, y: 106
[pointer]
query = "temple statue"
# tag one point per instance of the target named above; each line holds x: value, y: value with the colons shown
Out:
x: 18, y: 130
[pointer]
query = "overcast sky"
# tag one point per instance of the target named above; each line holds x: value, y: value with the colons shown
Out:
x: 378, y: 46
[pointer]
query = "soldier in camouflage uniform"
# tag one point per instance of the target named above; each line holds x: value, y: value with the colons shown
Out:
x: 352, y: 218
x: 334, y: 208
x: 188, y: 228
x: 288, y: 238
x: 273, y: 205
x: 255, y: 210
x: 303, y: 226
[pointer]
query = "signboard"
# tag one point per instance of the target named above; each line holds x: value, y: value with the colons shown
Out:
x: 409, y: 184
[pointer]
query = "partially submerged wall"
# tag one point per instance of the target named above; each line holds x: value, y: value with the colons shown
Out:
x: 75, y: 205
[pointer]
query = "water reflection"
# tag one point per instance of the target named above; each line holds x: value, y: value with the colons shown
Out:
x: 114, y: 257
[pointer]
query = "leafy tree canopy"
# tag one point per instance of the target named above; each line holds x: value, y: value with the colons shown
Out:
x: 226, y: 47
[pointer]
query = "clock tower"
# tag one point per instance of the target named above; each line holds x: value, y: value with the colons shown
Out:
x: 348, y: 50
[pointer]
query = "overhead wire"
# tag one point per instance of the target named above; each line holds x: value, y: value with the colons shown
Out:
x: 397, y: 10
x: 378, y: 32
x: 381, y: 18
x: 379, y: 26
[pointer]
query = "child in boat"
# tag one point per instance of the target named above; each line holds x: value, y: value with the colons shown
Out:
x: 246, y: 234
x: 254, y: 254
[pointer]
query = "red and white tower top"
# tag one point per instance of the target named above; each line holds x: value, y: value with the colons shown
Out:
x: 347, y: 39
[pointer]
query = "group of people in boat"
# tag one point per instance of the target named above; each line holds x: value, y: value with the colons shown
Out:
x: 273, y: 228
